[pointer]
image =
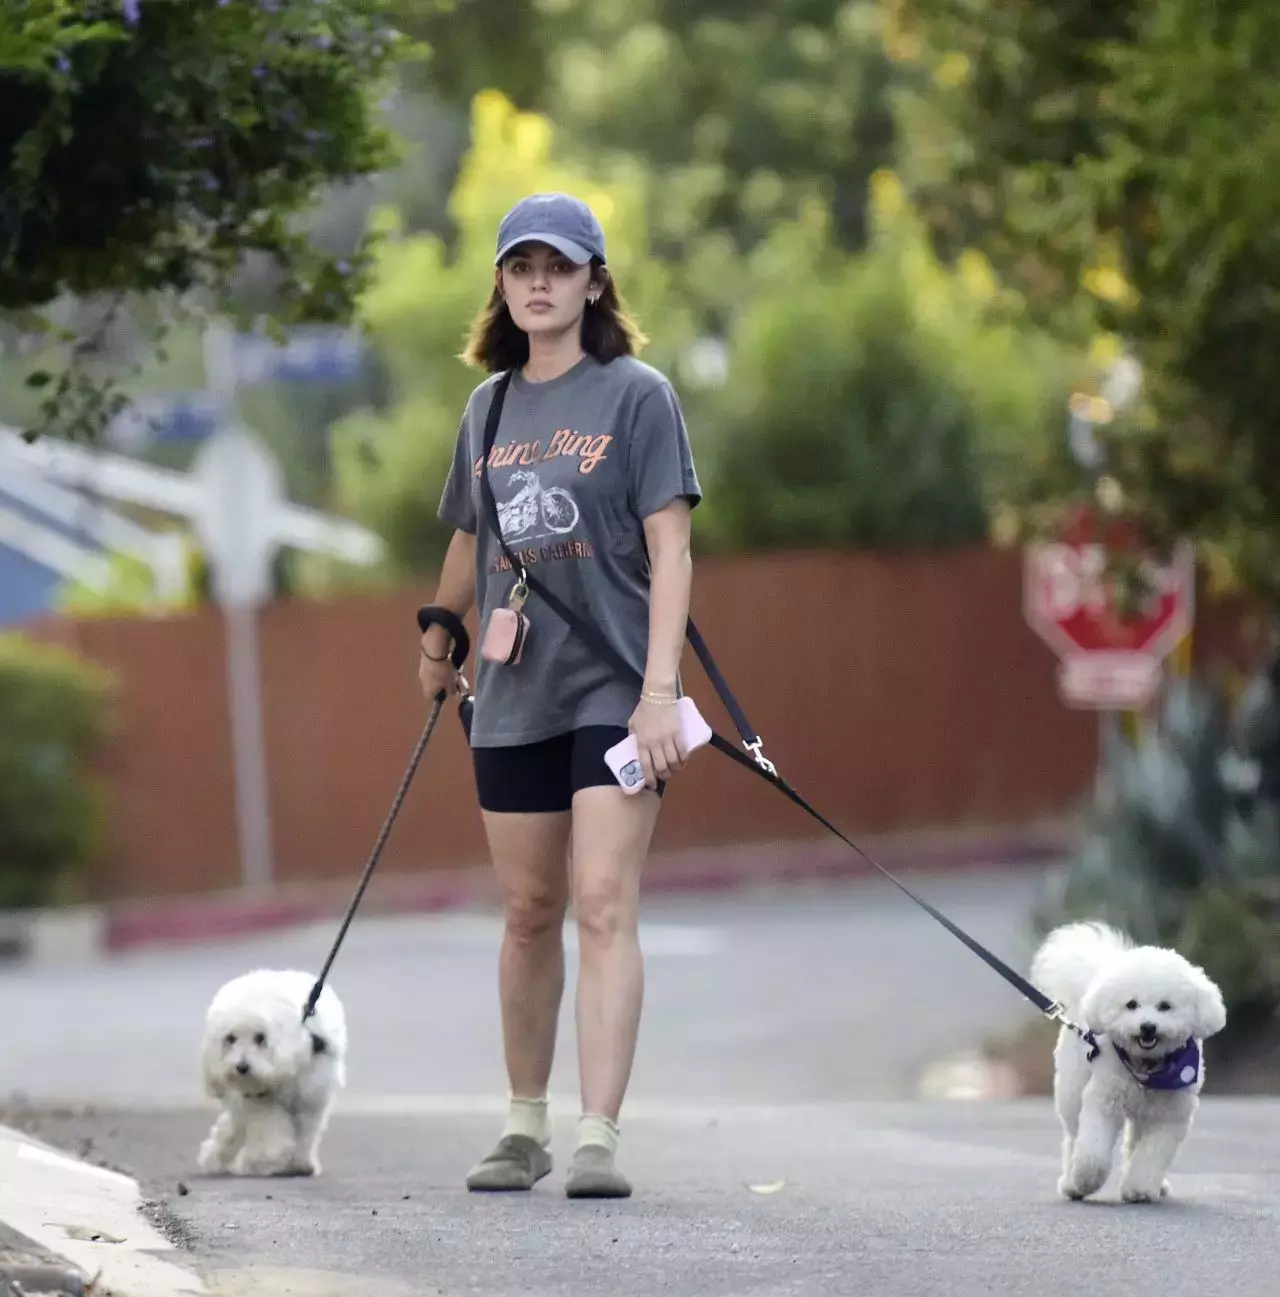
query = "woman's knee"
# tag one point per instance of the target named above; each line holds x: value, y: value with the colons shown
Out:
x: 605, y: 909
x: 611, y: 834
x: 534, y: 913
x: 530, y: 859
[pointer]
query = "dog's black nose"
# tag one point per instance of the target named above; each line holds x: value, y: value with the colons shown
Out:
x: 1148, y: 1030
x: 242, y: 1068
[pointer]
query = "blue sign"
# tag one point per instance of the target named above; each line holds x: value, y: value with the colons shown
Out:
x: 311, y: 354
x: 163, y: 419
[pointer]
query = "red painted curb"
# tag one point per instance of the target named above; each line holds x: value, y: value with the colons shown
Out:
x: 197, y: 918
x: 212, y: 918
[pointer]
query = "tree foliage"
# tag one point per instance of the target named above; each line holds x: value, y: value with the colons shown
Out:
x: 479, y: 45
x: 874, y: 407
x: 150, y: 146
x: 1116, y: 164
x: 746, y: 112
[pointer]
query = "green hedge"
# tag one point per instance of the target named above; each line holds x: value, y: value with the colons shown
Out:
x: 870, y: 398
x: 54, y: 711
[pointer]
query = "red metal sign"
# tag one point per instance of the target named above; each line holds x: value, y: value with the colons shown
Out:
x: 1111, y: 658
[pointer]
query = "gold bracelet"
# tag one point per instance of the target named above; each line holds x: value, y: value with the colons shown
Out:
x: 658, y: 700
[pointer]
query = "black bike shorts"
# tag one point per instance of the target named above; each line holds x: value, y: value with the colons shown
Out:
x: 536, y: 778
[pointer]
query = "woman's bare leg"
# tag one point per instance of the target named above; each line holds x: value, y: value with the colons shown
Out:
x: 611, y: 837
x: 530, y: 858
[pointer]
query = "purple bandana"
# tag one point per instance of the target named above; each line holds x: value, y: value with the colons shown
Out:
x: 1176, y: 1072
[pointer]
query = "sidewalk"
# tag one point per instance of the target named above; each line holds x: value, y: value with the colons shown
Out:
x: 68, y: 1227
x: 88, y: 932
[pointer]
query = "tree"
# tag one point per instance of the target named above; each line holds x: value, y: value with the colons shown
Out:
x: 479, y: 45
x: 1117, y: 164
x: 876, y: 407
x: 150, y: 146
x: 746, y: 112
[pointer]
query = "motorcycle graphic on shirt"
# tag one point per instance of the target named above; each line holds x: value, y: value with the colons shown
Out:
x: 534, y: 506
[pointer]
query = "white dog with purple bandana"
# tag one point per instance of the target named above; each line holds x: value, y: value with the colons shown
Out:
x: 1147, y: 1011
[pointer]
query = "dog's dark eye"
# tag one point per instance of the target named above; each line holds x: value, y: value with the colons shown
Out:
x: 1164, y: 1006
x: 260, y: 1039
x: 229, y: 1038
x: 1133, y: 1004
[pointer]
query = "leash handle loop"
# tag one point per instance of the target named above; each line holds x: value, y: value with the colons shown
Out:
x: 438, y: 615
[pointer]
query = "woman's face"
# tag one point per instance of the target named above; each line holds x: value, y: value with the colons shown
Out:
x: 546, y: 293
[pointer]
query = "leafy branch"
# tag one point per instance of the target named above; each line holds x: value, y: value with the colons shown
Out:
x: 152, y: 146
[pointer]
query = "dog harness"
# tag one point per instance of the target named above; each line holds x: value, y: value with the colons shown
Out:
x: 1177, y: 1071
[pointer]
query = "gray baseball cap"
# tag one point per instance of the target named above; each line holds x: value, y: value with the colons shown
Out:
x: 558, y: 220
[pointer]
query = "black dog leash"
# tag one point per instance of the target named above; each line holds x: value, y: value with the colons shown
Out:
x: 458, y: 656
x: 757, y: 762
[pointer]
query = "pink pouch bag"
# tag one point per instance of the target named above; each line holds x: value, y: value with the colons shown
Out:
x: 507, y: 631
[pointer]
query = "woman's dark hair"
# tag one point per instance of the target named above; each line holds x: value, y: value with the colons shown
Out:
x: 497, y: 343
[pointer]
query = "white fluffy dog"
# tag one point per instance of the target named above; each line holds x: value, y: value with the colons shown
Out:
x: 275, y: 1078
x: 1148, y: 1011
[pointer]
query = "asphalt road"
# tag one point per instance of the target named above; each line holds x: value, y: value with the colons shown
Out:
x: 888, y: 1200
x: 796, y: 994
x: 783, y: 1036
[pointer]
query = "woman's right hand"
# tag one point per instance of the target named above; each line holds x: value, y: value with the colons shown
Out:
x: 434, y: 675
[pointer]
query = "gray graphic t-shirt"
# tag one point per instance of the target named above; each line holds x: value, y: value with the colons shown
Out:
x: 578, y: 462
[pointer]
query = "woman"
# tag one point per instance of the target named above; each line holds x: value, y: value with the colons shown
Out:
x: 593, y: 478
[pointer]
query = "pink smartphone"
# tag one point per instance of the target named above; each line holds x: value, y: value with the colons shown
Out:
x: 624, y: 758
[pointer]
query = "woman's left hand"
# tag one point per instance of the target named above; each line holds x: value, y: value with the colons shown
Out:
x: 656, y: 727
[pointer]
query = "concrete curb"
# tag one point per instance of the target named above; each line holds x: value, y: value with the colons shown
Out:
x: 27, y: 1267
x: 74, y: 934
x: 82, y: 1224
x: 85, y: 933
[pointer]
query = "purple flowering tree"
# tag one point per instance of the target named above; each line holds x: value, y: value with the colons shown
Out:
x: 147, y: 147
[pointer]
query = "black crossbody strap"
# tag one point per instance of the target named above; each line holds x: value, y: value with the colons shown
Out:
x: 756, y: 763
x: 492, y: 419
x: 583, y: 628
x: 750, y: 739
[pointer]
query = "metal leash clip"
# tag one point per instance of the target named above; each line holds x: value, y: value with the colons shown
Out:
x: 1057, y: 1012
x: 756, y: 748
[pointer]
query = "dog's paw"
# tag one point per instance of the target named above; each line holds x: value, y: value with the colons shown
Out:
x: 1144, y: 1192
x: 300, y: 1164
x: 210, y: 1159
x: 258, y: 1164
x: 1084, y: 1178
